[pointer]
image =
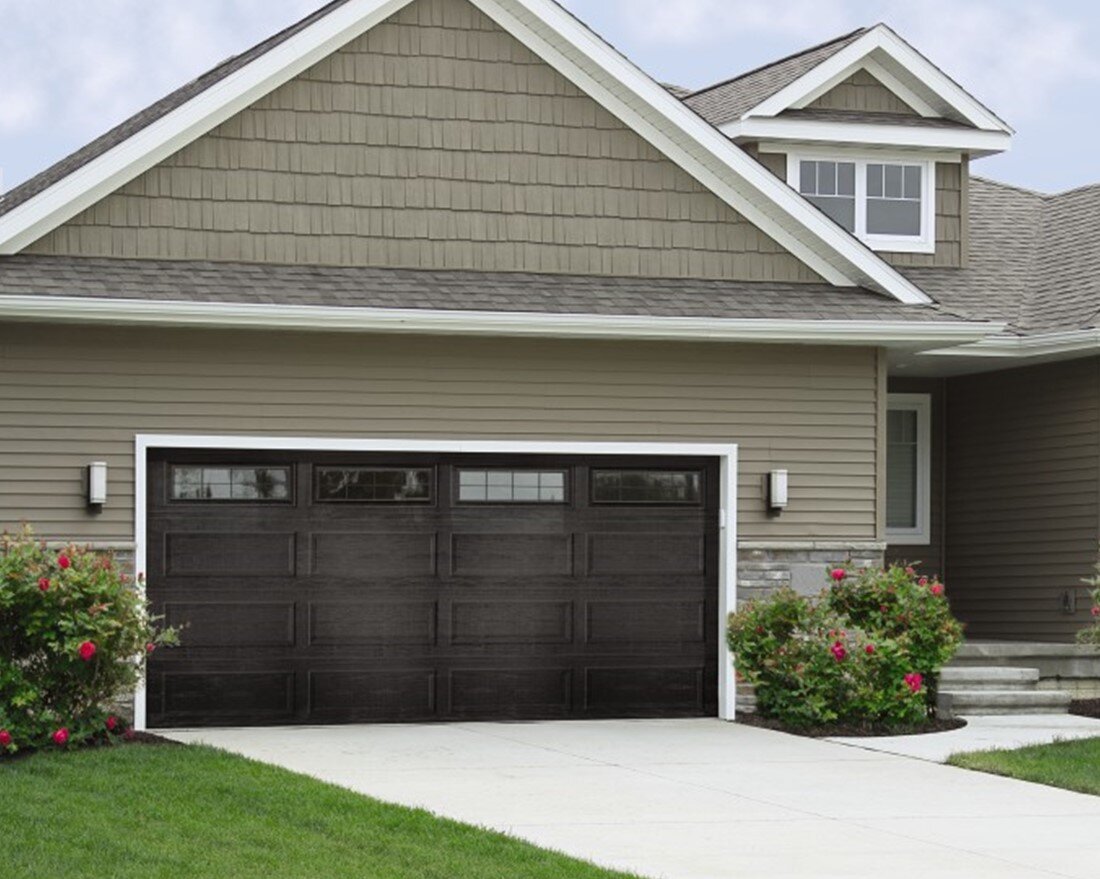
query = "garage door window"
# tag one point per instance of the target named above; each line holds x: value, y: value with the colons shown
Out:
x: 374, y: 484
x: 647, y: 487
x: 224, y: 483
x: 512, y: 486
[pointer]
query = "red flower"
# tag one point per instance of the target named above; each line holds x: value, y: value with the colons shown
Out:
x: 61, y: 737
x: 838, y: 574
x: 869, y: 649
x: 87, y: 650
x: 44, y: 584
x: 1096, y: 610
x: 937, y: 588
x: 63, y: 561
x: 111, y: 723
x: 5, y: 738
x: 914, y: 681
x: 839, y: 651
x: 923, y: 581
x: 150, y: 647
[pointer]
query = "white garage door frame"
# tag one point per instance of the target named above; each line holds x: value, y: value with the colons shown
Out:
x: 727, y: 511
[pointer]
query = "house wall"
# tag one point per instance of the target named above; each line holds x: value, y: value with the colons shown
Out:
x: 927, y: 558
x: 70, y: 395
x: 952, y: 204
x: 862, y: 91
x: 1023, y: 499
x: 435, y: 140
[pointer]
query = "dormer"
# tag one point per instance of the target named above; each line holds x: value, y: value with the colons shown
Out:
x: 872, y: 133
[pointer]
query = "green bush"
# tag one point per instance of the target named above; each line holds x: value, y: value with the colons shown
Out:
x: 73, y: 637
x: 865, y: 652
x: 1091, y: 634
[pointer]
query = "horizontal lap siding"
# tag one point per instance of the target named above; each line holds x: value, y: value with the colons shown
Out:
x: 69, y: 396
x: 435, y: 140
x: 1023, y: 502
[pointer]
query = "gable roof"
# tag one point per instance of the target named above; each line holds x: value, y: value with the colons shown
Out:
x: 547, y: 30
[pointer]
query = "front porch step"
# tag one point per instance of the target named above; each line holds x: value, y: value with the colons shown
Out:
x: 988, y: 678
x: 955, y: 702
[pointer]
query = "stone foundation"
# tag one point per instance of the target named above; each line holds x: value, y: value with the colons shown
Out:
x: 1071, y: 668
x: 802, y: 565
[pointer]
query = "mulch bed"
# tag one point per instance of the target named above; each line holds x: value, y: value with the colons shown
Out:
x: 138, y: 738
x: 1085, y: 708
x: 854, y: 730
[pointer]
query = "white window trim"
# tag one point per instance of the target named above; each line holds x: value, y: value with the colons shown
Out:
x: 925, y: 242
x: 921, y: 535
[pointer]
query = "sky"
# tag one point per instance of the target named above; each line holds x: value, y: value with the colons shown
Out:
x: 71, y: 69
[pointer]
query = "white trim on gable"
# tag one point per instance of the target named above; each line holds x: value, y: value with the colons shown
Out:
x: 564, y: 43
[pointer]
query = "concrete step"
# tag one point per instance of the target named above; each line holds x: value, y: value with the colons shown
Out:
x: 957, y: 702
x: 988, y: 678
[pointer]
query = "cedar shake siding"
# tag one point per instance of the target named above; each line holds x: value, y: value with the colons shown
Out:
x: 435, y: 140
x: 928, y: 557
x: 70, y: 395
x: 862, y: 92
x: 1023, y: 499
x: 952, y: 204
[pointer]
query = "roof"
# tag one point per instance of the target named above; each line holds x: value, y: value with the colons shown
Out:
x: 729, y: 100
x: 1034, y: 260
x: 261, y: 283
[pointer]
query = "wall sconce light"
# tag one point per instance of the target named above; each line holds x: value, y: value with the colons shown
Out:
x: 97, y: 483
x: 777, y: 490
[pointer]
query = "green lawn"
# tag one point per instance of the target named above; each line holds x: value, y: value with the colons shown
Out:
x: 1074, y: 765
x: 198, y: 813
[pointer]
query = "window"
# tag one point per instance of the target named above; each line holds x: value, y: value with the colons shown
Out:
x: 908, y: 469
x: 512, y: 486
x: 373, y: 484
x: 889, y: 205
x: 646, y: 487
x: 225, y: 483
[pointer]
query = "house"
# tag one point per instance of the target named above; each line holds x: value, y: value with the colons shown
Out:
x: 441, y: 364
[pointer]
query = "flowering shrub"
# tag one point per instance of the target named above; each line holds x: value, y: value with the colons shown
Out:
x: 1091, y: 634
x: 864, y: 652
x: 73, y: 635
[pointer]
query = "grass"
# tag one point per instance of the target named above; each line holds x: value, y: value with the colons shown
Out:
x: 1073, y: 765
x: 161, y: 811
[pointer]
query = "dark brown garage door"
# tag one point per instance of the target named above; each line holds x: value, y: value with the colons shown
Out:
x: 328, y: 588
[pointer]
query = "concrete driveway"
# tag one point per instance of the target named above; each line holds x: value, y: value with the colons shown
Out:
x: 702, y: 798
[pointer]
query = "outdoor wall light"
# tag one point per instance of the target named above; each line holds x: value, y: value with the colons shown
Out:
x: 97, y: 483
x: 777, y: 490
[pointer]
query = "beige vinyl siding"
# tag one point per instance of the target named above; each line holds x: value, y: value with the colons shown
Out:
x: 1023, y: 500
x: 435, y: 140
x: 929, y: 557
x: 952, y: 204
x: 864, y: 92
x: 72, y: 395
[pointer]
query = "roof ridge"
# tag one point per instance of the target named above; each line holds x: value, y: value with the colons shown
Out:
x: 1014, y: 186
x: 858, y: 31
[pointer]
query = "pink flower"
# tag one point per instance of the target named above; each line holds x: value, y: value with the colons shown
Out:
x: 839, y: 651
x: 838, y: 574
x: 869, y: 649
x: 923, y: 581
x: 5, y: 738
x: 87, y: 650
x: 63, y: 561
x: 44, y: 584
x: 914, y: 681
x: 937, y: 589
x: 910, y: 571
x: 1096, y: 610
x: 61, y: 737
x: 111, y: 723
x: 150, y: 647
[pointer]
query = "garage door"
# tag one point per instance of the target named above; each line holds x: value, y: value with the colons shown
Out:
x: 325, y: 588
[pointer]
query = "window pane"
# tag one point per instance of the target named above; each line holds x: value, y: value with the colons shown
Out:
x: 512, y: 486
x: 874, y: 181
x: 839, y: 209
x: 374, y: 484
x: 647, y: 486
x: 221, y: 483
x: 912, y: 181
x: 826, y: 178
x: 808, y: 178
x: 846, y: 178
x: 892, y: 184
x: 893, y: 217
x: 901, y: 468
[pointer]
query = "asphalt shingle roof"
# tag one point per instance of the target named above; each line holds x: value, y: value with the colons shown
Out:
x: 165, y: 280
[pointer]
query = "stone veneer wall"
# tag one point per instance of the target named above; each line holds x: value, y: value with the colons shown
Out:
x: 764, y: 566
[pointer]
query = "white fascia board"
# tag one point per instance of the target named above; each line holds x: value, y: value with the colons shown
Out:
x: 88, y: 184
x: 841, y: 65
x: 968, y: 140
x: 75, y: 309
x: 695, y: 145
x: 1022, y: 347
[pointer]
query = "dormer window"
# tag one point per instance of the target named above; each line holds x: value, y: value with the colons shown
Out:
x: 886, y: 202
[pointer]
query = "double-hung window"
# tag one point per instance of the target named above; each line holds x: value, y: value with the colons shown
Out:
x: 887, y: 203
x: 908, y: 469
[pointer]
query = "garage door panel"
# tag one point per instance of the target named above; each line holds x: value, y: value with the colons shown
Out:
x: 229, y: 553
x: 399, y: 694
x: 644, y: 690
x: 373, y: 554
x: 372, y: 623
x: 509, y: 692
x: 643, y: 622
x: 511, y: 555
x: 504, y: 622
x: 223, y: 694
x: 232, y: 624
x: 646, y: 553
